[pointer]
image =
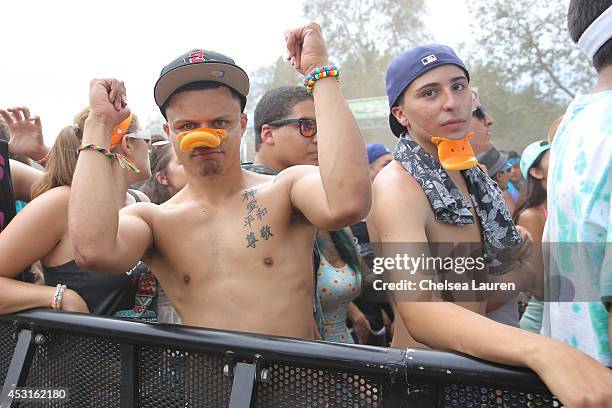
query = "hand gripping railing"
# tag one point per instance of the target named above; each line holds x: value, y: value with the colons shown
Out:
x: 110, y: 362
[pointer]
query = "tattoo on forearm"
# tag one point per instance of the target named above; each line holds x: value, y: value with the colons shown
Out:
x: 254, y: 211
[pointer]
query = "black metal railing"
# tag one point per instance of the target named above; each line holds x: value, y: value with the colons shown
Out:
x: 106, y: 362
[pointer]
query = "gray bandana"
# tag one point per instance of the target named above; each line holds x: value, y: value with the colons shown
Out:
x: 449, y: 204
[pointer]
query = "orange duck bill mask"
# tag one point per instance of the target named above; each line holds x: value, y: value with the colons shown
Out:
x: 201, y: 137
x: 456, y: 154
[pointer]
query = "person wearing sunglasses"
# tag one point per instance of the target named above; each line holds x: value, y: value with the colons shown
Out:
x: 40, y: 230
x: 480, y: 123
x: 285, y: 129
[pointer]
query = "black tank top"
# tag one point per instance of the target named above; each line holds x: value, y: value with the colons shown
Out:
x: 104, y: 293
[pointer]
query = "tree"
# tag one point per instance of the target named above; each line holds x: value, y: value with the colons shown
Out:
x: 364, y: 35
x: 521, y: 116
x: 530, y: 46
x: 279, y: 73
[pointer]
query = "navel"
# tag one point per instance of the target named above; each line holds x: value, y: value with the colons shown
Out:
x: 186, y: 279
x: 268, y: 261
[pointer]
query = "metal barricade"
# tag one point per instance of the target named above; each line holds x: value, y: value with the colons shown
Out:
x: 106, y: 362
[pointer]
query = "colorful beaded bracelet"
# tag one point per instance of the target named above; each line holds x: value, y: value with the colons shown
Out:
x: 319, y: 73
x: 123, y: 161
x: 58, y: 297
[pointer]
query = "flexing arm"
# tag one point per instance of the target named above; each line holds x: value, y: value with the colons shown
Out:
x: 101, y: 241
x: 22, y: 243
x: 340, y: 195
x: 571, y: 375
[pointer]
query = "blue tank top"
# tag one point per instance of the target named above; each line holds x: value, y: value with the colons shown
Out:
x: 336, y: 288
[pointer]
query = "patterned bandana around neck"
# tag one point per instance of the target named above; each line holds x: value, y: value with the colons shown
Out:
x: 449, y: 204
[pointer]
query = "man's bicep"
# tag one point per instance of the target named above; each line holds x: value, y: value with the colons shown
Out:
x: 134, y: 237
x: 308, y: 196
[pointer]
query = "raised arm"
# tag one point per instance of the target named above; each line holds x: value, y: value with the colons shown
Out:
x: 575, y: 378
x: 101, y: 240
x: 340, y: 195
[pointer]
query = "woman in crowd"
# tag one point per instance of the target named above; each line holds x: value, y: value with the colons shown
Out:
x: 40, y: 231
x: 531, y: 214
x: 338, y: 284
x: 167, y: 179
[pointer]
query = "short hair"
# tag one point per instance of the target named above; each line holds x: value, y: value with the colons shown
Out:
x: 580, y: 15
x: 201, y: 86
x: 276, y: 104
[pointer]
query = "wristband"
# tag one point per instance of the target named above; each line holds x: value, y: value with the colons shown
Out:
x: 58, y: 297
x: 123, y: 161
x: 319, y: 73
x: 44, y: 159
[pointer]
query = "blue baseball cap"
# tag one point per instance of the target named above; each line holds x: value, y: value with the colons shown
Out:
x: 376, y: 151
x: 410, y: 65
x: 531, y: 154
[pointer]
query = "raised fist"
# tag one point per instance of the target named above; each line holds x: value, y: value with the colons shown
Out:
x: 306, y: 48
x: 107, y: 101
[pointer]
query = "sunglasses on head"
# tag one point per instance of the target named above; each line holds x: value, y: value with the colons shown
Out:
x: 479, y: 112
x: 308, y: 127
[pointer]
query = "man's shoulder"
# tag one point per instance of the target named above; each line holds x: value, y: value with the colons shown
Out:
x: 396, y: 180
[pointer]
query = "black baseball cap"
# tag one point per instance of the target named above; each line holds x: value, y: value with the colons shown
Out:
x: 200, y: 65
x: 410, y: 65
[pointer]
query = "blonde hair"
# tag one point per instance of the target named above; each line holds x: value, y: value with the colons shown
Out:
x: 64, y: 155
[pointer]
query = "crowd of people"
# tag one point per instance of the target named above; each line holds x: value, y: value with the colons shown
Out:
x: 174, y: 228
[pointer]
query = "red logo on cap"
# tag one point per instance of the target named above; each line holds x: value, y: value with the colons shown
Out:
x: 196, y: 56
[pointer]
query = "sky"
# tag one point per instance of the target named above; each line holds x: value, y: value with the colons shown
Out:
x: 52, y: 49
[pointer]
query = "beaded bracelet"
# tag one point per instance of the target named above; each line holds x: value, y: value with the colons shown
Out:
x: 319, y: 73
x: 56, y: 305
x: 123, y: 161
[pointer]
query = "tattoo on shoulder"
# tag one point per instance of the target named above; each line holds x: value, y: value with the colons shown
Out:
x: 255, y: 213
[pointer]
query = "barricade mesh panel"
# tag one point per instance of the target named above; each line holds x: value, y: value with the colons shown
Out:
x: 456, y: 395
x: 304, y: 387
x: 7, y: 347
x: 170, y: 378
x: 89, y: 367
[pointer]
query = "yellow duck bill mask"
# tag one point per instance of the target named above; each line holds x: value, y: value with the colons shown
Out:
x: 456, y: 154
x: 201, y: 137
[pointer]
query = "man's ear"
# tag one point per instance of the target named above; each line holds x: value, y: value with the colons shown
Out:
x: 244, y: 120
x: 267, y: 136
x: 166, y: 129
x: 399, y: 115
x: 161, y: 178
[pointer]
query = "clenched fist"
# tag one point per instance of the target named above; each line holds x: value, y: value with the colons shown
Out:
x: 306, y: 48
x: 107, y: 101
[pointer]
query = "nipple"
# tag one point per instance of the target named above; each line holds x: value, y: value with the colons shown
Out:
x: 456, y: 154
x: 201, y: 137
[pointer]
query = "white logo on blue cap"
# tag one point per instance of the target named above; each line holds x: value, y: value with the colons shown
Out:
x: 429, y: 59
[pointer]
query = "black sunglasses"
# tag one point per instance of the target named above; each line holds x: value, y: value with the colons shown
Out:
x: 479, y: 112
x: 308, y: 127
